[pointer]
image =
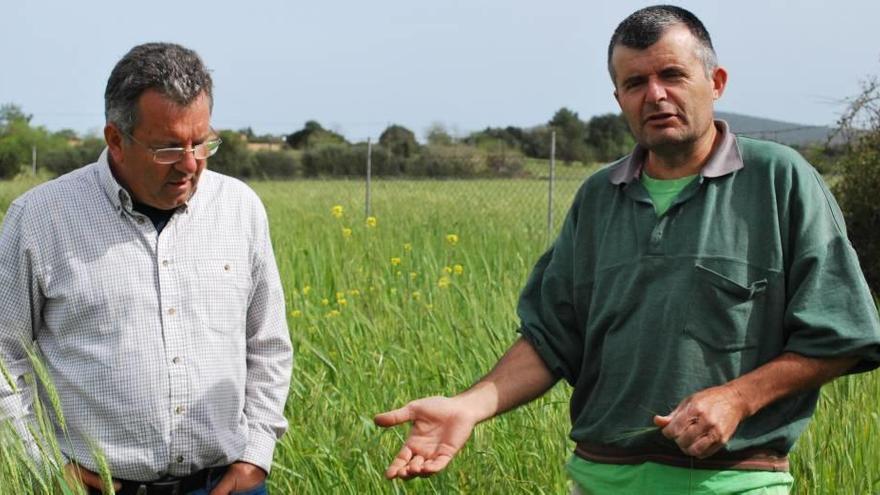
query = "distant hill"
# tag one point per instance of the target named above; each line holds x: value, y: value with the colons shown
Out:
x: 776, y: 130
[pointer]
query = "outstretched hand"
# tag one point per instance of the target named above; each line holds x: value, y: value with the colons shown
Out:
x: 440, y: 428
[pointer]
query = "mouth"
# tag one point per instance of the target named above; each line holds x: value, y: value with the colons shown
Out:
x: 179, y: 184
x: 660, y: 117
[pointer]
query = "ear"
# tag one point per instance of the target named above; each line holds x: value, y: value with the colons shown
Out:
x: 114, y: 139
x: 719, y: 81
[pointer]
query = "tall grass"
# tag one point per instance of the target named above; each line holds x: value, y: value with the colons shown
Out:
x: 424, y: 303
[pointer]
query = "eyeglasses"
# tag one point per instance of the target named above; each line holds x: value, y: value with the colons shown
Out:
x: 168, y: 156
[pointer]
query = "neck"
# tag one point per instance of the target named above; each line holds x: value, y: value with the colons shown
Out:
x: 675, y: 162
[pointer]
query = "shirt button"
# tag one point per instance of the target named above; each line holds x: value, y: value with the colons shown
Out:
x: 164, y: 262
x: 140, y: 220
x: 179, y: 410
x: 176, y: 360
x: 171, y: 311
x: 179, y: 459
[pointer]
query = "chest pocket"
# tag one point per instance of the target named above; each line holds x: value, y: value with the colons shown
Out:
x: 720, y: 313
x: 225, y: 290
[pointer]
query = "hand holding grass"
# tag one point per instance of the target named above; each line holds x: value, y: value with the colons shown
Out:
x: 704, y: 422
x: 440, y: 427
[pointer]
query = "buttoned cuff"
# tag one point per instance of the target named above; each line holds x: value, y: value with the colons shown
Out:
x: 259, y: 451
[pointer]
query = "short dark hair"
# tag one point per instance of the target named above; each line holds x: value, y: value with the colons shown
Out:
x: 645, y: 26
x: 176, y: 72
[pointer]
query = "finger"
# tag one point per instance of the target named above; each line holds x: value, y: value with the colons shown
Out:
x: 705, y: 446
x: 690, y: 433
x: 93, y: 480
x: 394, y: 417
x: 399, y: 463
x: 436, y: 464
x: 415, y: 465
x: 225, y: 486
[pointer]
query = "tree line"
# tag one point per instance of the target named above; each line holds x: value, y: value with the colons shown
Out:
x: 314, y: 151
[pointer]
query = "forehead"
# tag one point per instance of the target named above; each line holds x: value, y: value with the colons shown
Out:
x: 676, y: 47
x: 161, y: 116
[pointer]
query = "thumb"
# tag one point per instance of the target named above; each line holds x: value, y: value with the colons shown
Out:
x: 662, y: 421
x: 225, y: 486
x: 93, y: 480
x: 394, y: 417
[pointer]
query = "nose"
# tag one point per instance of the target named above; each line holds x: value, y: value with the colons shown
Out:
x: 188, y: 164
x: 655, y: 90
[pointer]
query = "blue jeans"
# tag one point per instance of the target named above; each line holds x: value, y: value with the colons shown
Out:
x: 214, y: 480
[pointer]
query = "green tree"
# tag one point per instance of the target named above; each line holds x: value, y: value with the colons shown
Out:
x: 399, y: 140
x: 571, y: 133
x: 233, y: 158
x: 609, y: 137
x: 9, y: 113
x: 313, y: 134
x: 438, y: 135
x: 859, y: 178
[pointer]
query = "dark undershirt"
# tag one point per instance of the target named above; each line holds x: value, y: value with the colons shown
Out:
x: 158, y: 217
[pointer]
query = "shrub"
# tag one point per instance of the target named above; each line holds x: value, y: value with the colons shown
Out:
x: 63, y: 160
x: 859, y: 179
x: 276, y: 165
x: 448, y: 161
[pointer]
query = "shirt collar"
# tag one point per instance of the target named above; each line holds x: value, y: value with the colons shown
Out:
x: 118, y: 196
x: 725, y: 159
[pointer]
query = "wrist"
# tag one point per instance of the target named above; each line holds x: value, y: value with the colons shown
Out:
x: 479, y: 402
x: 740, y: 400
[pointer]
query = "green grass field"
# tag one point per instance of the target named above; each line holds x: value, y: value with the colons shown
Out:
x: 423, y: 303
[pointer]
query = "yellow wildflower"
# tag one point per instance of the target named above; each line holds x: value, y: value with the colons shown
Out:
x: 306, y: 289
x: 325, y: 302
x: 429, y: 307
x: 333, y: 313
x: 452, y: 239
x: 354, y: 292
x: 372, y: 222
x: 458, y: 269
x: 395, y: 261
x: 296, y: 313
x: 447, y: 270
x: 407, y: 247
x: 413, y: 275
x: 340, y: 295
x: 416, y: 295
x: 346, y: 232
x: 342, y: 302
x: 443, y: 282
x: 336, y: 211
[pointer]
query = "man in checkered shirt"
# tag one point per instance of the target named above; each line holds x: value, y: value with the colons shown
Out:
x: 149, y: 288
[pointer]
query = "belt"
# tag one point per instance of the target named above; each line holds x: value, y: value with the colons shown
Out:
x: 168, y: 486
x: 746, y: 460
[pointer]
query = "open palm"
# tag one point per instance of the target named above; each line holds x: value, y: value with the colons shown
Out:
x: 440, y: 427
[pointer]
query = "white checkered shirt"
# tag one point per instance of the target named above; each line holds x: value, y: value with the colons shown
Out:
x: 170, y: 352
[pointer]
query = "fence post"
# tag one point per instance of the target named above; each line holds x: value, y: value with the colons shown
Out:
x: 369, y: 176
x: 34, y: 159
x: 550, y: 183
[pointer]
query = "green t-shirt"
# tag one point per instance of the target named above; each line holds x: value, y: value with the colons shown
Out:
x: 663, y: 191
x: 638, y: 311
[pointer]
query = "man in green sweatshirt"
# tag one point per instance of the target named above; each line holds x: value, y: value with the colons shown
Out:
x: 706, y: 276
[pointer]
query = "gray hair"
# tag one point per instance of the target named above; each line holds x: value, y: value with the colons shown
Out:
x: 176, y: 72
x: 644, y: 27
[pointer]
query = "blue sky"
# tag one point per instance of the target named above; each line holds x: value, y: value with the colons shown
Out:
x: 358, y: 66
